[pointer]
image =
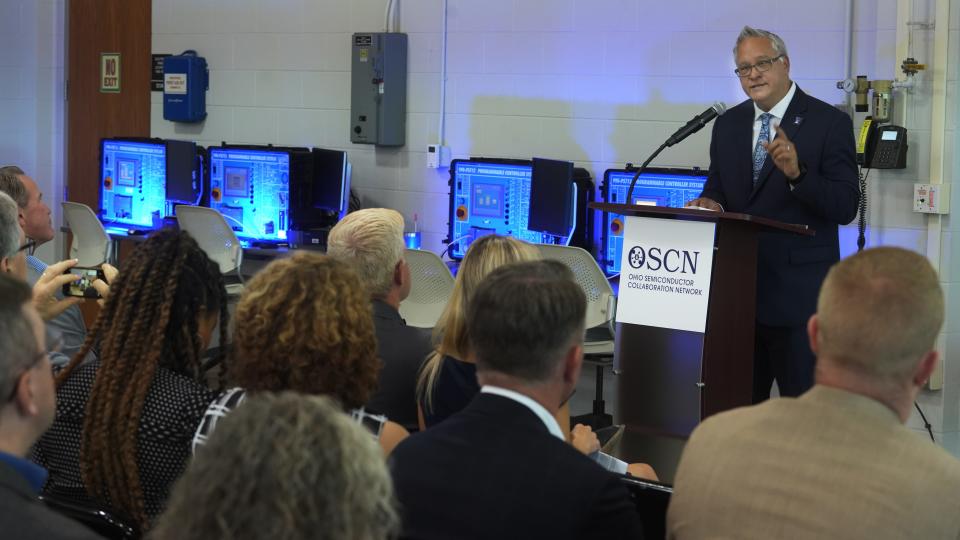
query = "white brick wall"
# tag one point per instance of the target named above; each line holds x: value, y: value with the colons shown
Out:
x: 31, y: 96
x: 598, y: 82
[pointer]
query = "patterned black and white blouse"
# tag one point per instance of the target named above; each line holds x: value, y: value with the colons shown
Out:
x: 232, y: 398
x: 173, y: 408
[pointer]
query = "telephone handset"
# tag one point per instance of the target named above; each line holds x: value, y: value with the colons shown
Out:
x: 881, y: 147
x: 865, y: 141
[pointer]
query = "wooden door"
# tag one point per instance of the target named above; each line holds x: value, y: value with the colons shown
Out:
x: 96, y: 27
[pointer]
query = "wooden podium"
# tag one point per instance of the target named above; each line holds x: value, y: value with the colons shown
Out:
x: 669, y: 379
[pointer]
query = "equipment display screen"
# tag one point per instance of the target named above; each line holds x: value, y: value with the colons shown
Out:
x: 488, y: 197
x: 132, y: 182
x: 656, y: 187
x: 251, y: 188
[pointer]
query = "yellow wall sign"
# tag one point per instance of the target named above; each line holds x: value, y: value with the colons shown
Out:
x: 109, y: 72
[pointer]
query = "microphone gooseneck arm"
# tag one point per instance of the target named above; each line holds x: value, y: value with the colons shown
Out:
x: 688, y: 129
x: 640, y: 171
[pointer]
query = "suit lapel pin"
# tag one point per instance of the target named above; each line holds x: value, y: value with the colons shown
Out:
x: 797, y: 120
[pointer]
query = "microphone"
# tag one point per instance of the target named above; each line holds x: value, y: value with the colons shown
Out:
x: 697, y: 123
x: 687, y: 130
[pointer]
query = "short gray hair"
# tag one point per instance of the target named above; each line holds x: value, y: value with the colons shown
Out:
x: 9, y: 227
x: 293, y: 452
x: 11, y: 184
x: 524, y: 317
x: 879, y: 311
x: 370, y: 240
x: 776, y: 42
x: 18, y: 347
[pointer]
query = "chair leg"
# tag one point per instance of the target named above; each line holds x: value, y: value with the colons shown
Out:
x: 598, y: 403
x: 598, y: 418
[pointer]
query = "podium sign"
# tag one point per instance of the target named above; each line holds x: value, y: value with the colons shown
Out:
x: 665, y: 273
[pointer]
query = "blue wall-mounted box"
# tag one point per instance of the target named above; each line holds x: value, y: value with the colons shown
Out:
x: 185, y: 84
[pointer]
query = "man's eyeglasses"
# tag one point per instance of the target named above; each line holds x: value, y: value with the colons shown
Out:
x: 762, y: 65
x: 28, y: 246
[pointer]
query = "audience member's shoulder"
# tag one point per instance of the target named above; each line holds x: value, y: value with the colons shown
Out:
x: 34, y: 520
x: 740, y: 418
x: 933, y: 456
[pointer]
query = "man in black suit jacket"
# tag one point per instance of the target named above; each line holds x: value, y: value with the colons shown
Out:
x: 29, y: 403
x: 371, y: 240
x: 500, y: 468
x: 787, y: 156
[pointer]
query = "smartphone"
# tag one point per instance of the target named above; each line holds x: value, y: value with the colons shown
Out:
x: 83, y: 287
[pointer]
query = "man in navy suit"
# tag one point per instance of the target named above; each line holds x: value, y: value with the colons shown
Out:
x: 787, y: 156
x: 500, y: 468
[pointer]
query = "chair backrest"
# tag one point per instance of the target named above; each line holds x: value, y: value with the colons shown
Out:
x: 601, y: 303
x: 98, y: 518
x: 211, y: 231
x: 651, y: 500
x: 430, y: 288
x: 91, y: 243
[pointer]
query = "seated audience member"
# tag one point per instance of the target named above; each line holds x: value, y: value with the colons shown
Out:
x: 836, y: 462
x: 34, y: 217
x: 125, y: 422
x: 500, y: 467
x: 303, y: 324
x: 448, y: 380
x: 26, y: 384
x: 371, y: 241
x: 47, y: 298
x: 283, y: 466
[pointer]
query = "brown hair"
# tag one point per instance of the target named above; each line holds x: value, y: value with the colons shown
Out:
x: 305, y: 323
x: 149, y: 320
x: 523, y: 317
x: 11, y: 184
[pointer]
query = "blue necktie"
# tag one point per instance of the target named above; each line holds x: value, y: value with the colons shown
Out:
x: 759, y: 152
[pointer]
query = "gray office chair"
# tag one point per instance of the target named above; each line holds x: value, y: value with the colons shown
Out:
x: 601, y: 310
x: 215, y: 237
x: 91, y: 244
x: 430, y: 289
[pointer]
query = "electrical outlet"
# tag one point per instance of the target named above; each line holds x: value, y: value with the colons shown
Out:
x: 931, y: 198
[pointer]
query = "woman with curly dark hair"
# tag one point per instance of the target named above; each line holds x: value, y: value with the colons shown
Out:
x: 124, y: 422
x: 305, y: 324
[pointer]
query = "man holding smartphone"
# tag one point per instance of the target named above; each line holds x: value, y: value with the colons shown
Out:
x: 13, y: 245
x: 34, y: 219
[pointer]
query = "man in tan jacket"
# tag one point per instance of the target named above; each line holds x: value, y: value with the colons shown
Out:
x: 836, y: 462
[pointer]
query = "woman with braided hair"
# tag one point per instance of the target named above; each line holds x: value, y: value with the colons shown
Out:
x: 124, y: 422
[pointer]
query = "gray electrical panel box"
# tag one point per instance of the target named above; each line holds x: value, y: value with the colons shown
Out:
x: 378, y: 93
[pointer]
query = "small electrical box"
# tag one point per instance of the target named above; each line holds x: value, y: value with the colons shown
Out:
x: 378, y: 93
x: 931, y: 198
x: 185, y: 84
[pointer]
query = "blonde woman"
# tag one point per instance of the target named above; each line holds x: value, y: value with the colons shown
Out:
x: 448, y: 380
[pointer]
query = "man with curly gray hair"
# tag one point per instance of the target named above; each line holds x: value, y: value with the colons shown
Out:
x: 371, y: 240
x: 283, y: 466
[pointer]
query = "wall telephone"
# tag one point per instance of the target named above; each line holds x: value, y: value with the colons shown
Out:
x: 881, y: 147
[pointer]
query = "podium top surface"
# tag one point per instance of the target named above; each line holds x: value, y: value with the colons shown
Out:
x: 694, y: 214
